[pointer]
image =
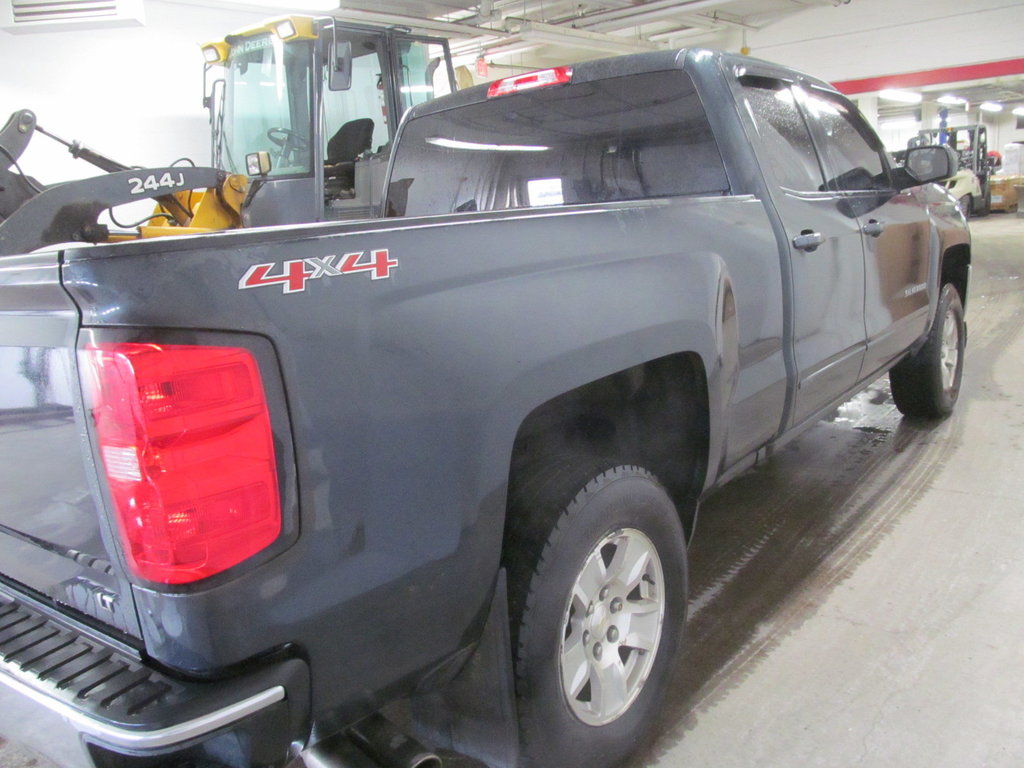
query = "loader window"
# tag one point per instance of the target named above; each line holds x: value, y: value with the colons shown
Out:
x: 364, y: 100
x: 423, y: 75
x: 267, y: 105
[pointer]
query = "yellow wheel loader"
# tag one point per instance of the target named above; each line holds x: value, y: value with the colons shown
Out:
x: 302, y: 111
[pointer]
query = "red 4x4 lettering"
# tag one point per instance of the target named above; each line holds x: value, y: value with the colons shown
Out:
x: 293, y: 278
x: 379, y: 264
x: 296, y: 273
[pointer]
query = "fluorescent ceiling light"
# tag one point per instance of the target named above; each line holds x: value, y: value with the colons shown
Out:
x: 990, y: 106
x: 472, y: 145
x: 951, y: 100
x: 1019, y: 111
x: 907, y: 97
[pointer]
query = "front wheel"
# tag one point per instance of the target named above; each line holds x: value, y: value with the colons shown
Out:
x: 927, y: 384
x: 598, y: 590
x: 986, y: 202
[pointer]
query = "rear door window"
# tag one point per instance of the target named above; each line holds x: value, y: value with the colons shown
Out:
x: 625, y: 138
x: 789, y: 150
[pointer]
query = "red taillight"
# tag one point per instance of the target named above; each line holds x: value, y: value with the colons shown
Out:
x: 184, y: 435
x: 530, y: 80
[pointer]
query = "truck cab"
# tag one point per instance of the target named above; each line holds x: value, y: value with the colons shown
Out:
x: 307, y: 108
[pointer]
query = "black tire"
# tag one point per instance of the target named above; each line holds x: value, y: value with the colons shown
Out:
x: 927, y: 384
x: 966, y: 205
x: 568, y: 519
x: 986, y: 201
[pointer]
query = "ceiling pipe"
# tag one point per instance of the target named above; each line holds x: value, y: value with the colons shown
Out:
x: 687, y: 36
x: 674, y: 34
x: 498, y: 49
x: 550, y: 34
x: 648, y: 17
x: 486, y: 14
x: 718, y: 21
x: 453, y: 29
x: 651, y: 10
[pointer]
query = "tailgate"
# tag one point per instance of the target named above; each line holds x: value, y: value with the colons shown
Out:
x: 53, y: 537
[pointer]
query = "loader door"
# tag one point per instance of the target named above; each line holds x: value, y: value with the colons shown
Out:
x: 390, y: 73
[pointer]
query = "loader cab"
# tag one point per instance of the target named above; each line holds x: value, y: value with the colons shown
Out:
x: 308, y: 108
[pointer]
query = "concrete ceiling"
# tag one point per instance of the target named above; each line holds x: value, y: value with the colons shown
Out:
x: 530, y: 34
x: 1006, y: 91
x: 540, y: 30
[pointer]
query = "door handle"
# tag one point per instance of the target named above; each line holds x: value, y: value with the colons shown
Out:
x: 874, y: 228
x: 808, y: 241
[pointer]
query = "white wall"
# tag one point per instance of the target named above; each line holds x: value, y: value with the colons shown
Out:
x: 872, y: 38
x: 133, y: 93
x: 868, y: 38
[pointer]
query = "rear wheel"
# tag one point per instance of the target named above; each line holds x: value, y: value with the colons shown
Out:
x: 927, y: 383
x: 598, y: 583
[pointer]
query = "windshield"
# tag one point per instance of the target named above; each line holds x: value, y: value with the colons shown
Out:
x: 267, y: 106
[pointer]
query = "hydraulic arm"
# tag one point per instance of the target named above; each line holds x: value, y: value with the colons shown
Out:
x: 189, y: 199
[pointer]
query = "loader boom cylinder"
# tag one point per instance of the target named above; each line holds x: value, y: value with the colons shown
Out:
x: 81, y: 152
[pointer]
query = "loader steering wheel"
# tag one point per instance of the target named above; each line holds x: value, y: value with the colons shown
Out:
x: 288, y: 140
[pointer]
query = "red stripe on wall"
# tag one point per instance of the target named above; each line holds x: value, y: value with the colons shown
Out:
x: 933, y: 76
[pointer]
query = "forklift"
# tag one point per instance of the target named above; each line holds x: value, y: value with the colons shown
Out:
x: 971, y: 185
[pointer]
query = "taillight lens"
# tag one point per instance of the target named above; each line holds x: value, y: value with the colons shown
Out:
x: 185, y: 439
x: 530, y: 80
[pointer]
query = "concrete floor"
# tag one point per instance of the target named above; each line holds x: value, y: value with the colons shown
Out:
x: 859, y: 599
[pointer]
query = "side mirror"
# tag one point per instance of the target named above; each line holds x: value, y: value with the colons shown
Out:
x: 928, y: 164
x: 340, y: 62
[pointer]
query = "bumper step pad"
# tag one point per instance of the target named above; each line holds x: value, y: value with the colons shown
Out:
x: 114, y: 696
x: 76, y: 669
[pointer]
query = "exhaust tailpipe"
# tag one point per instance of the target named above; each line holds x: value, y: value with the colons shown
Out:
x: 336, y: 752
x: 375, y: 742
x: 392, y: 748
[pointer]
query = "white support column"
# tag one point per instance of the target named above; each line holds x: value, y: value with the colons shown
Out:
x: 868, y: 105
x: 929, y: 114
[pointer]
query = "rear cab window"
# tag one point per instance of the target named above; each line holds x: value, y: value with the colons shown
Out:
x: 625, y: 138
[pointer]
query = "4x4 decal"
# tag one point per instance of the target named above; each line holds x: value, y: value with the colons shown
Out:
x: 297, y: 272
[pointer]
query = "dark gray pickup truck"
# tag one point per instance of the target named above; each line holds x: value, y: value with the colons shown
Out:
x: 259, y: 485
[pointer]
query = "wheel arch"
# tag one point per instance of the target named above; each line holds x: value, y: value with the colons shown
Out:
x: 956, y: 269
x: 655, y: 414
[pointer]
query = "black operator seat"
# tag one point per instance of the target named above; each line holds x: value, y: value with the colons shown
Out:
x: 351, y: 140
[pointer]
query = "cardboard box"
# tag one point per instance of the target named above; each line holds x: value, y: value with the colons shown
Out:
x: 1004, y: 193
